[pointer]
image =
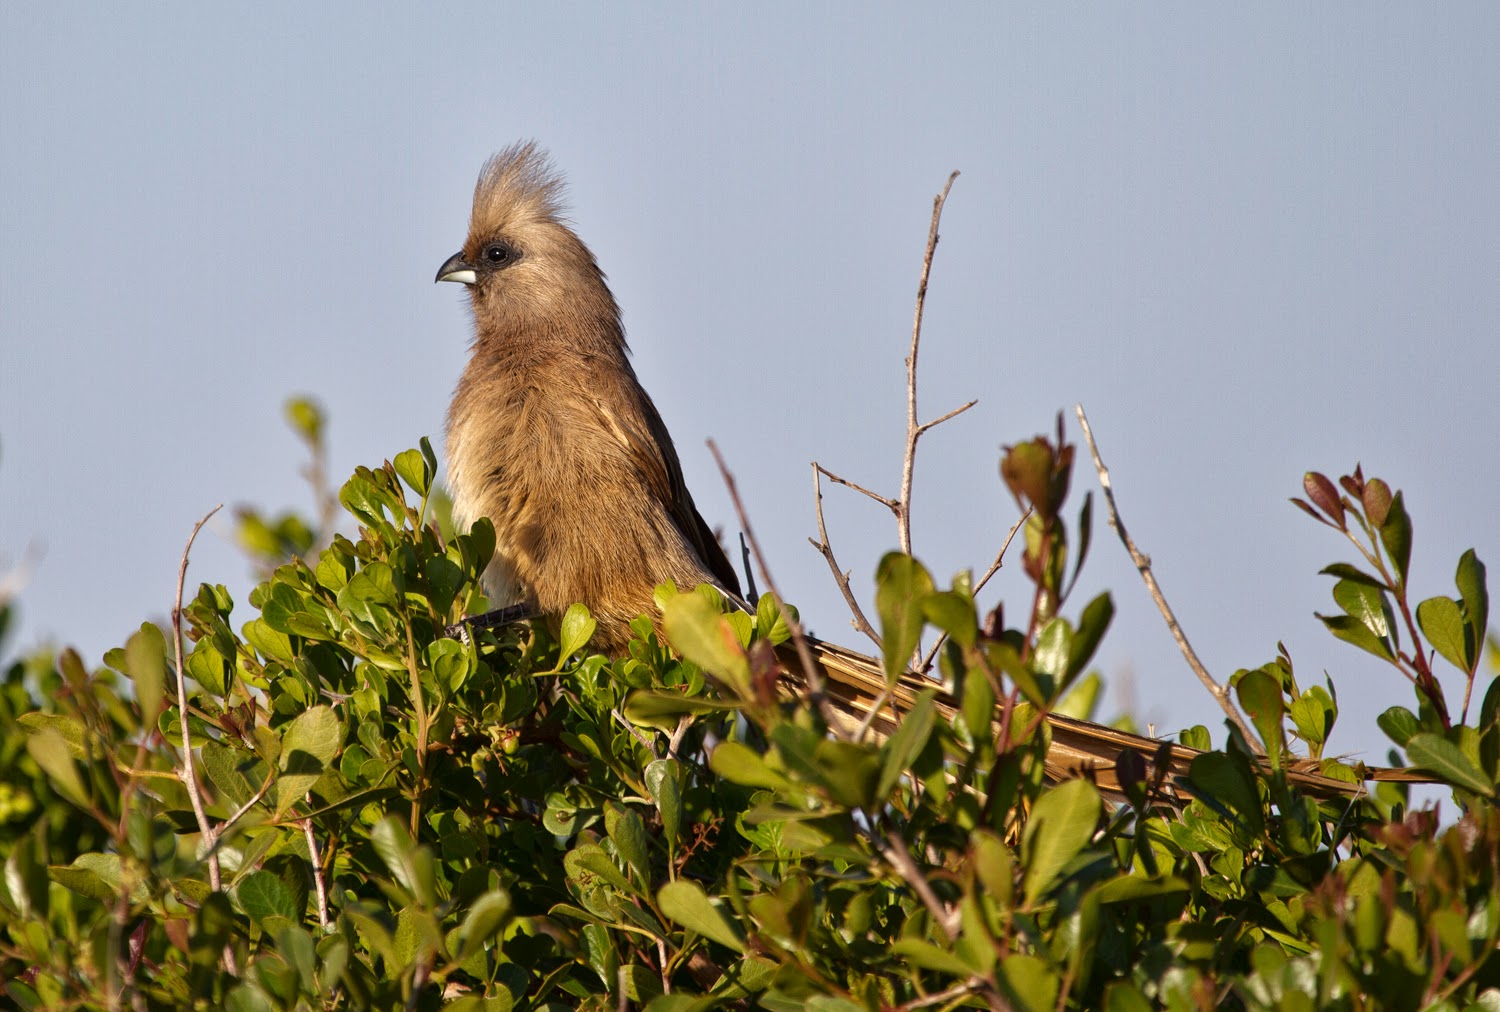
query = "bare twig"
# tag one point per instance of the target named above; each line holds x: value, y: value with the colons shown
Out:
x: 1143, y: 565
x: 635, y: 732
x: 239, y: 813
x: 890, y: 504
x: 937, y: 997
x: 994, y: 568
x: 914, y: 430
x: 189, y: 777
x: 317, y: 869
x: 810, y: 667
x: 943, y: 418
x: 675, y: 742
x: 894, y: 850
x: 186, y: 773
x: 839, y: 576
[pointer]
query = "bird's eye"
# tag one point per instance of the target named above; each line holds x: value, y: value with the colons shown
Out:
x: 498, y: 254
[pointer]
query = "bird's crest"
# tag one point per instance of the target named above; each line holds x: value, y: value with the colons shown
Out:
x: 516, y: 187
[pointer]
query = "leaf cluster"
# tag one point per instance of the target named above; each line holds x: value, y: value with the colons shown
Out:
x: 397, y: 817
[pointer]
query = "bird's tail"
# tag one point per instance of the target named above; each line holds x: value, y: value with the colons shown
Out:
x: 860, y: 695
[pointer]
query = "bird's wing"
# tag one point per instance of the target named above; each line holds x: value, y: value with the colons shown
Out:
x: 649, y: 447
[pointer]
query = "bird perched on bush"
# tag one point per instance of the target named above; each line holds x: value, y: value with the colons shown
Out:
x: 550, y: 434
x: 552, y: 437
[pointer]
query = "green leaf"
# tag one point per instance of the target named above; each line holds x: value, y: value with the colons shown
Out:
x: 1091, y: 627
x: 296, y: 946
x: 662, y: 781
x: 305, y: 417
x: 146, y: 659
x: 1352, y: 630
x: 413, y: 468
x: 902, y: 587
x: 1260, y: 695
x: 628, y: 833
x: 994, y: 865
x: 226, y: 769
x: 1438, y: 755
x: 848, y: 771
x: 96, y: 876
x: 1081, y: 698
x: 411, y: 864
x: 52, y: 754
x: 740, y: 764
x: 308, y: 748
x: 1344, y: 571
x: 26, y: 878
x: 661, y: 710
x: 926, y: 956
x: 1442, y: 622
x: 1054, y: 646
x: 577, y: 628
x: 1470, y: 579
x: 686, y: 903
x: 1313, y: 713
x: 953, y: 613
x: 486, y: 916
x: 209, y: 668
x: 1226, y: 781
x: 1399, y: 724
x: 1367, y: 605
x: 1124, y: 888
x: 1395, y: 534
x: 591, y: 860
x: 69, y: 728
x: 1029, y: 982
x: 904, y: 746
x: 700, y: 633
x: 263, y: 894
x: 770, y: 623
x: 1061, y: 825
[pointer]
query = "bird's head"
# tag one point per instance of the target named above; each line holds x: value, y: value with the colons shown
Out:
x: 527, y: 273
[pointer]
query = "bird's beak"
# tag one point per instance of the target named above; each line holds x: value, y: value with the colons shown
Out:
x: 456, y: 268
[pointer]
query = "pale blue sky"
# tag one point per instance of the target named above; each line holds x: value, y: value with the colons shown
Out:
x: 1250, y: 240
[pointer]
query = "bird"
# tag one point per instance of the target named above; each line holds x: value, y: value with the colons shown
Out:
x: 552, y: 437
x: 550, y: 434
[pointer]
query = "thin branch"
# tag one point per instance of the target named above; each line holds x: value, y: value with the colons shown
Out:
x: 994, y: 568
x: 239, y: 813
x: 635, y: 732
x: 943, y: 418
x: 187, y: 774
x: 913, y: 430
x: 814, y: 674
x: 317, y: 868
x: 894, y: 850
x: 860, y: 622
x: 1143, y: 565
x: 937, y: 997
x: 890, y: 504
x: 674, y: 744
x: 880, y: 703
x: 189, y: 777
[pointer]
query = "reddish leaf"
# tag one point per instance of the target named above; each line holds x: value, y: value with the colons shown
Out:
x: 1324, y: 495
x: 1377, y: 502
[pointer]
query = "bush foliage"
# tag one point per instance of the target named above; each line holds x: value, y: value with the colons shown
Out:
x: 395, y: 817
